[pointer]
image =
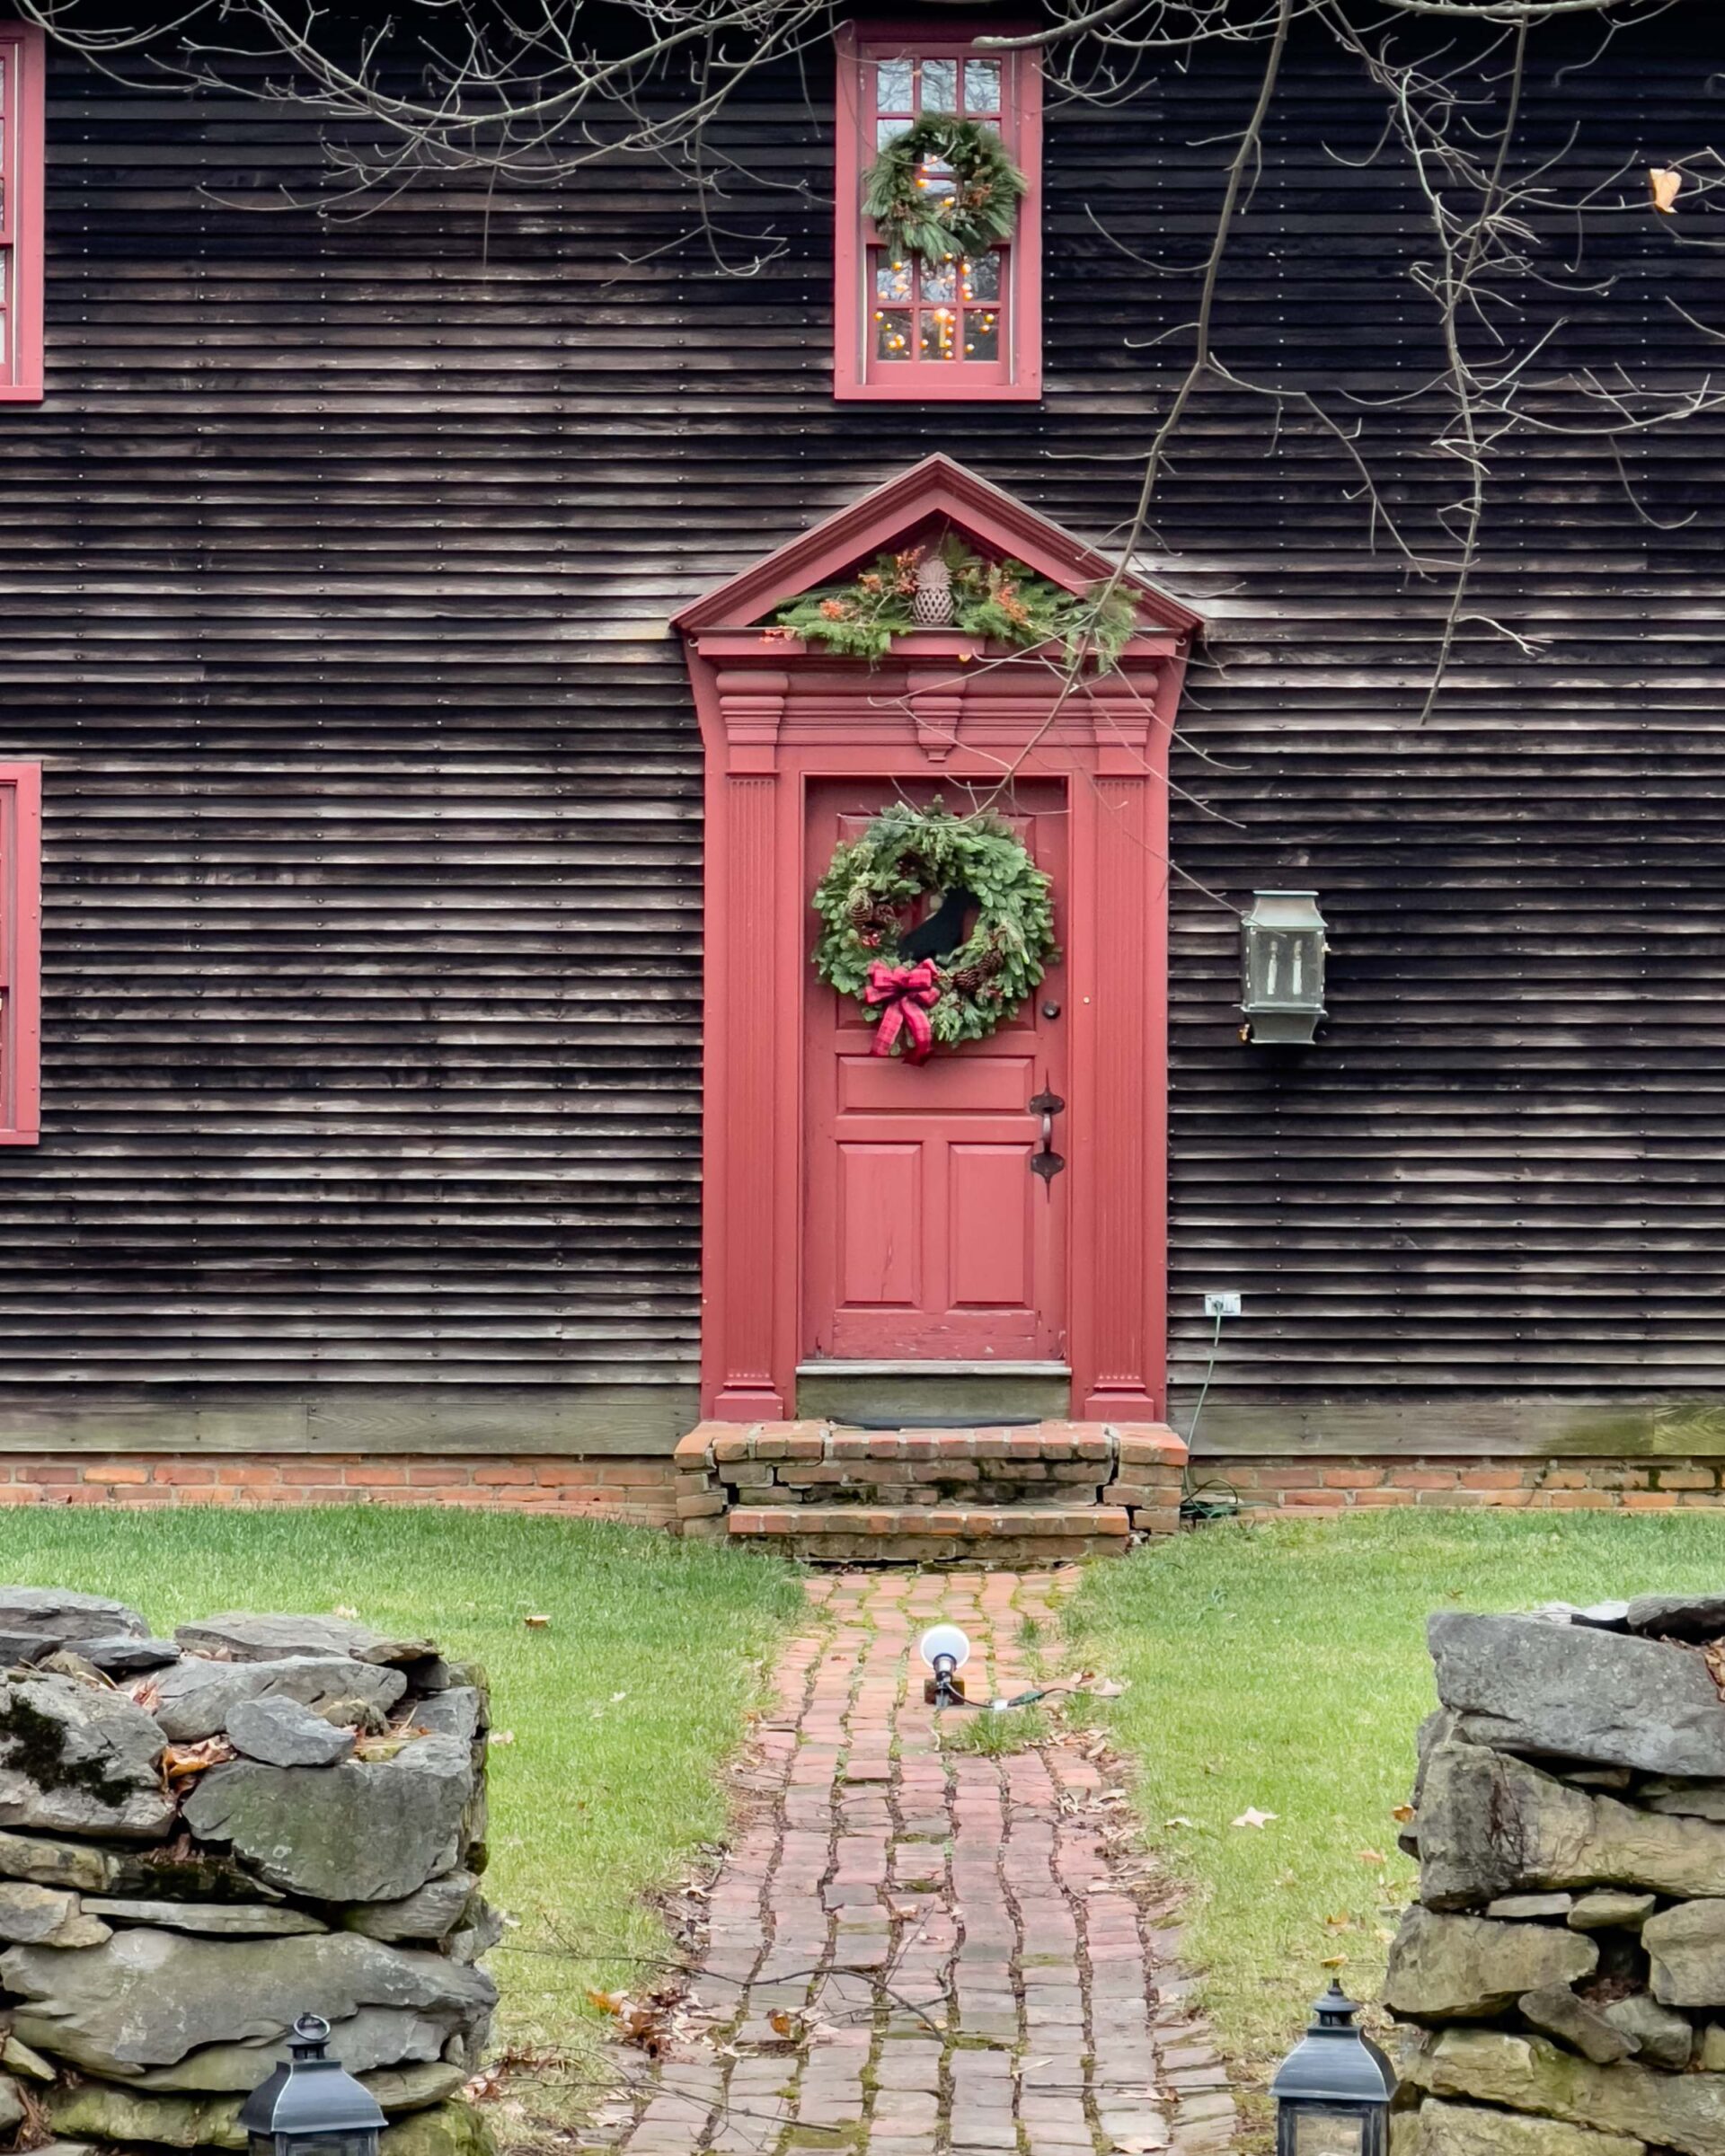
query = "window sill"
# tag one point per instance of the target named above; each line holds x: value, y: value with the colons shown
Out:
x: 1028, y: 392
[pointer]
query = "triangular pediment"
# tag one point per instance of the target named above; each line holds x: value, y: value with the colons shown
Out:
x: 933, y: 497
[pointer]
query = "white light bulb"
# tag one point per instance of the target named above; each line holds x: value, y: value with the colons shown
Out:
x: 942, y: 1639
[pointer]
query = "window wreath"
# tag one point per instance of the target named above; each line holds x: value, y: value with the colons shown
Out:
x: 966, y: 968
x: 917, y: 215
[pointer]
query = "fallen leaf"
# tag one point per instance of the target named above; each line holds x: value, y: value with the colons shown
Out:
x: 1179, y: 1819
x: 608, y: 2002
x: 1105, y: 1688
x: 501, y: 1737
x: 1252, y: 1817
x: 1146, y: 2144
x: 1337, y: 1924
x: 1372, y: 1856
x: 342, y: 1610
x: 783, y: 2024
x: 1664, y: 187
x: 180, y: 1762
x: 1333, y: 1961
x: 536, y: 1624
x: 616, y: 1696
x: 1402, y: 1814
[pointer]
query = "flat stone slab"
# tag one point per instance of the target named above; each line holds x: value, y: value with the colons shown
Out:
x: 121, y: 1657
x: 1570, y: 1692
x: 1453, y: 1967
x: 214, y: 1920
x: 1682, y: 2111
x: 56, y: 1616
x: 239, y: 1635
x: 1608, y: 1909
x: 364, y: 1831
x: 80, y: 1760
x: 148, y: 1997
x: 284, y: 1734
x: 1448, y: 2129
x: 1686, y: 1951
x: 194, y: 1699
x: 1492, y: 1825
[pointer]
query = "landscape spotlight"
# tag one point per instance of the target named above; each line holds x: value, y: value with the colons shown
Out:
x: 946, y: 1650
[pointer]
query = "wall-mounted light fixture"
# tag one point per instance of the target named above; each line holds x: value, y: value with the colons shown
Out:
x: 1282, y: 948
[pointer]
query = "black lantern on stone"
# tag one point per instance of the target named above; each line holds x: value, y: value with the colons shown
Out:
x: 311, y: 2105
x: 1333, y: 2090
x: 1282, y: 950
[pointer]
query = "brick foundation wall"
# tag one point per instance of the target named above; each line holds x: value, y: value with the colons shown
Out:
x: 1330, y: 1485
x: 642, y: 1491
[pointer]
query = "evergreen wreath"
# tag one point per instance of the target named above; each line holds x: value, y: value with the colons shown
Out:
x: 981, y: 210
x: 1001, y: 600
x: 864, y: 901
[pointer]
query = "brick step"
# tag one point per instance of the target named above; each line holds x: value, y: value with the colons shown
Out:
x: 831, y: 1492
x: 847, y: 1534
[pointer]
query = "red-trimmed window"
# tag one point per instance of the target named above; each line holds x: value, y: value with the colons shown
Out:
x: 22, y: 75
x: 21, y: 932
x: 966, y: 329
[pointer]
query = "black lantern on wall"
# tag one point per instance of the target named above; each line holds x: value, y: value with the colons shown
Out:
x: 1333, y: 2090
x: 311, y: 2105
x: 1282, y: 950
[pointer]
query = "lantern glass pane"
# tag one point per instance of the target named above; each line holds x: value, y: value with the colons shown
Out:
x: 1329, y: 2134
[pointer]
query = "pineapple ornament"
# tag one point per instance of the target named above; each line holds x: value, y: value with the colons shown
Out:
x: 932, y: 608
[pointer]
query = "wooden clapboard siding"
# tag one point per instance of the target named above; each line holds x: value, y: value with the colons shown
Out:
x: 335, y: 567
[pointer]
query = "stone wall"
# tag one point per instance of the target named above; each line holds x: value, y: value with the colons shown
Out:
x: 202, y: 1838
x: 1561, y: 1984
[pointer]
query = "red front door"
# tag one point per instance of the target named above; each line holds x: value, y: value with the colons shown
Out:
x: 926, y: 1236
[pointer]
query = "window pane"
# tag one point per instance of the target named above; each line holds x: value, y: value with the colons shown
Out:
x: 891, y: 334
x: 982, y: 276
x: 891, y: 280
x: 885, y: 130
x: 937, y: 180
x: 1318, y: 2134
x: 940, y: 85
x: 981, y: 86
x: 981, y: 334
x: 940, y: 281
x: 892, y: 85
x: 940, y: 332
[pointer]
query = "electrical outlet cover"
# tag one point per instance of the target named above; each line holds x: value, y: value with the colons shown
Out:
x: 1221, y: 1303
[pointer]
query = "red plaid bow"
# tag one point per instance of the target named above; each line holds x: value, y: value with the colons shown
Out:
x: 906, y: 992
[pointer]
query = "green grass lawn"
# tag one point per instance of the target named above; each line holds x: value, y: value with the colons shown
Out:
x: 1284, y: 1667
x: 621, y: 1709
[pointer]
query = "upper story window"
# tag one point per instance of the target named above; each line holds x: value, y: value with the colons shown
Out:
x: 927, y: 327
x: 22, y: 76
x: 21, y: 922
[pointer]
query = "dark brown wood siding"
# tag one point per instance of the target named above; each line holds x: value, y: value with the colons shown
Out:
x: 334, y: 572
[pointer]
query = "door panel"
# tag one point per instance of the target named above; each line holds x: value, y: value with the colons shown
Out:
x: 988, y: 1239
x: 926, y: 1237
x: 881, y: 1225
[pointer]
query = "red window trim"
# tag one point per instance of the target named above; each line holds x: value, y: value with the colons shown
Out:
x: 24, y: 49
x: 917, y: 381
x: 20, y: 953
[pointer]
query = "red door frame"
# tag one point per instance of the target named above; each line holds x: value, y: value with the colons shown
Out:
x: 774, y: 717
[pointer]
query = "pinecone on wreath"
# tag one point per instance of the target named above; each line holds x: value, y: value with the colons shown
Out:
x: 968, y: 979
x: 932, y: 606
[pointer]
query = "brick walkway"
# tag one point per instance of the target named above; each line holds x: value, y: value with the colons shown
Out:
x: 912, y: 1951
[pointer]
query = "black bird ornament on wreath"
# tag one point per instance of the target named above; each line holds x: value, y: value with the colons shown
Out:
x: 943, y: 931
